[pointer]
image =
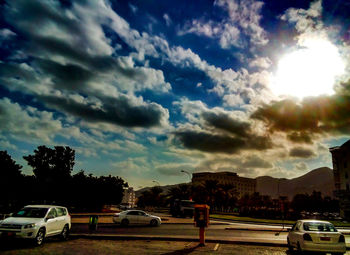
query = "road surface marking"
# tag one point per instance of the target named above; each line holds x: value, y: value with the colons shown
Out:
x: 216, y: 247
x: 188, y: 244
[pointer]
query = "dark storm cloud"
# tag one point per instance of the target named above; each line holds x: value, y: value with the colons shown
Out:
x: 224, y: 122
x: 300, y: 152
x: 113, y: 110
x: 67, y: 76
x: 324, y: 114
x: 300, y: 137
x: 221, y: 143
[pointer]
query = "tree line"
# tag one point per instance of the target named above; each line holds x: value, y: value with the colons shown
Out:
x: 224, y: 199
x: 52, y: 182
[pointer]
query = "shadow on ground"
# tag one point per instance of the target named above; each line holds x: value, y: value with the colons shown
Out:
x: 182, y: 251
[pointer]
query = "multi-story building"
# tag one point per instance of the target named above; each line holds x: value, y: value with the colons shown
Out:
x: 243, y: 185
x: 129, y: 198
x: 341, y: 171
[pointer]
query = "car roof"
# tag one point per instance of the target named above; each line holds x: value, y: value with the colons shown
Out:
x: 44, y: 206
x: 133, y: 211
x: 311, y: 220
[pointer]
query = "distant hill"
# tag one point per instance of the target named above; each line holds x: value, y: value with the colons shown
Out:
x: 165, y: 189
x: 320, y: 179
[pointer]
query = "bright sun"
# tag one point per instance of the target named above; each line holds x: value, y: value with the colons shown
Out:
x: 308, y: 71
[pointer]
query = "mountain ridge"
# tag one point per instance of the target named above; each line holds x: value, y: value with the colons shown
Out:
x: 319, y: 179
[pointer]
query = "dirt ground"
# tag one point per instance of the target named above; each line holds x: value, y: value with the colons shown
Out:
x: 93, y: 247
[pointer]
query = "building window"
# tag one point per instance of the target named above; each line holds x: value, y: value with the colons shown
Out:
x: 345, y: 164
x: 346, y: 175
x: 347, y: 186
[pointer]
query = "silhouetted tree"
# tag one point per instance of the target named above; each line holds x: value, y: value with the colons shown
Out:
x: 10, y: 179
x: 52, y: 164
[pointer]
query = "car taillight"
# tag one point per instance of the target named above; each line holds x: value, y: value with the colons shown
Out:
x: 341, y: 239
x: 307, y: 237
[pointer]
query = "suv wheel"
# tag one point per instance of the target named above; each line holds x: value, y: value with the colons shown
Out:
x: 65, y: 233
x: 40, y: 237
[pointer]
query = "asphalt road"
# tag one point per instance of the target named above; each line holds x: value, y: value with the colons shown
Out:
x: 223, y: 232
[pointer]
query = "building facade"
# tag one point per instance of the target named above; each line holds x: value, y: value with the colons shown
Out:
x: 243, y: 185
x: 341, y: 171
x: 129, y: 198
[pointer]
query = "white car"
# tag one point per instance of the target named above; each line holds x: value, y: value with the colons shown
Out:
x: 317, y: 236
x: 136, y: 217
x: 37, y: 222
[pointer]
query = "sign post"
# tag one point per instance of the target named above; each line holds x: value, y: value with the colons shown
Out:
x: 201, y: 220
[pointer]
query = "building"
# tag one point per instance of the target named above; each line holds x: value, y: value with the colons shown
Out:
x: 341, y: 171
x: 129, y: 198
x: 243, y: 185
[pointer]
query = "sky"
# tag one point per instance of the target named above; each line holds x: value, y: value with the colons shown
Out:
x: 144, y: 89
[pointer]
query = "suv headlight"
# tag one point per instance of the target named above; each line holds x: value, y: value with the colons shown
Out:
x: 31, y: 225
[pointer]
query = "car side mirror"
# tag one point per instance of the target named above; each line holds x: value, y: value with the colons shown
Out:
x: 49, y: 217
x: 11, y: 214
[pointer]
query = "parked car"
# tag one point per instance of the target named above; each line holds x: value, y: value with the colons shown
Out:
x: 315, y: 235
x: 37, y: 222
x: 136, y: 217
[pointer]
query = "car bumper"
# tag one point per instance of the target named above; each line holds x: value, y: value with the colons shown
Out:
x: 23, y: 234
x: 317, y: 247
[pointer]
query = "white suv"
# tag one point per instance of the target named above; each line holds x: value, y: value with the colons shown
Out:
x: 37, y: 222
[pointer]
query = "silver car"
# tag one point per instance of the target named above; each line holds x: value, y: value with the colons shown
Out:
x: 37, y: 222
x: 317, y: 236
x: 136, y: 217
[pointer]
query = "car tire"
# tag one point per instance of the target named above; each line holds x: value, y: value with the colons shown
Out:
x: 124, y: 222
x: 290, y: 247
x: 65, y: 233
x: 154, y: 223
x: 40, y: 237
x: 300, y: 251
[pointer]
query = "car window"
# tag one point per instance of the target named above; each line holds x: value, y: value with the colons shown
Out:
x: 61, y: 211
x: 319, y: 226
x: 298, y: 226
x: 52, y: 213
x: 142, y: 213
x: 31, y: 212
x: 133, y: 213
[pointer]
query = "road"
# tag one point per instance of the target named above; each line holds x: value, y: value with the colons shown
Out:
x: 224, y: 232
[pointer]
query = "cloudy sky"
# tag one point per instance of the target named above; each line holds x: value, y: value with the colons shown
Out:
x: 143, y: 89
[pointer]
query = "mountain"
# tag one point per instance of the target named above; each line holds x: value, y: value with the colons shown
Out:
x: 165, y: 189
x: 320, y: 179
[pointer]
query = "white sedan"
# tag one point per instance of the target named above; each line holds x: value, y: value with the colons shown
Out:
x: 136, y: 217
x: 315, y: 235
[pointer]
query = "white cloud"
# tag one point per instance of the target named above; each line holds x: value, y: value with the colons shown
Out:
x: 27, y: 123
x: 243, y: 18
x: 167, y: 19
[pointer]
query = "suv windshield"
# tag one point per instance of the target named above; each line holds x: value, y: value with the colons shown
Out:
x: 31, y: 212
x: 319, y: 226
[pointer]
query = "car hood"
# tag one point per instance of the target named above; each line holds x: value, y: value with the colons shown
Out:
x: 20, y: 221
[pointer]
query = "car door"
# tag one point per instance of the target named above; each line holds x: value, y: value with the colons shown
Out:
x: 133, y: 217
x: 294, y: 233
x: 144, y: 218
x: 61, y: 217
x: 51, y: 222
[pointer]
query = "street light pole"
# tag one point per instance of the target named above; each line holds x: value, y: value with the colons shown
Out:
x: 156, y: 182
x: 189, y: 175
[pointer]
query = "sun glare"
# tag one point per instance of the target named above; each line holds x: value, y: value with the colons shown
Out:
x: 308, y: 71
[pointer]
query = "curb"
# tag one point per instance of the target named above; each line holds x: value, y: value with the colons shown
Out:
x: 171, y: 238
